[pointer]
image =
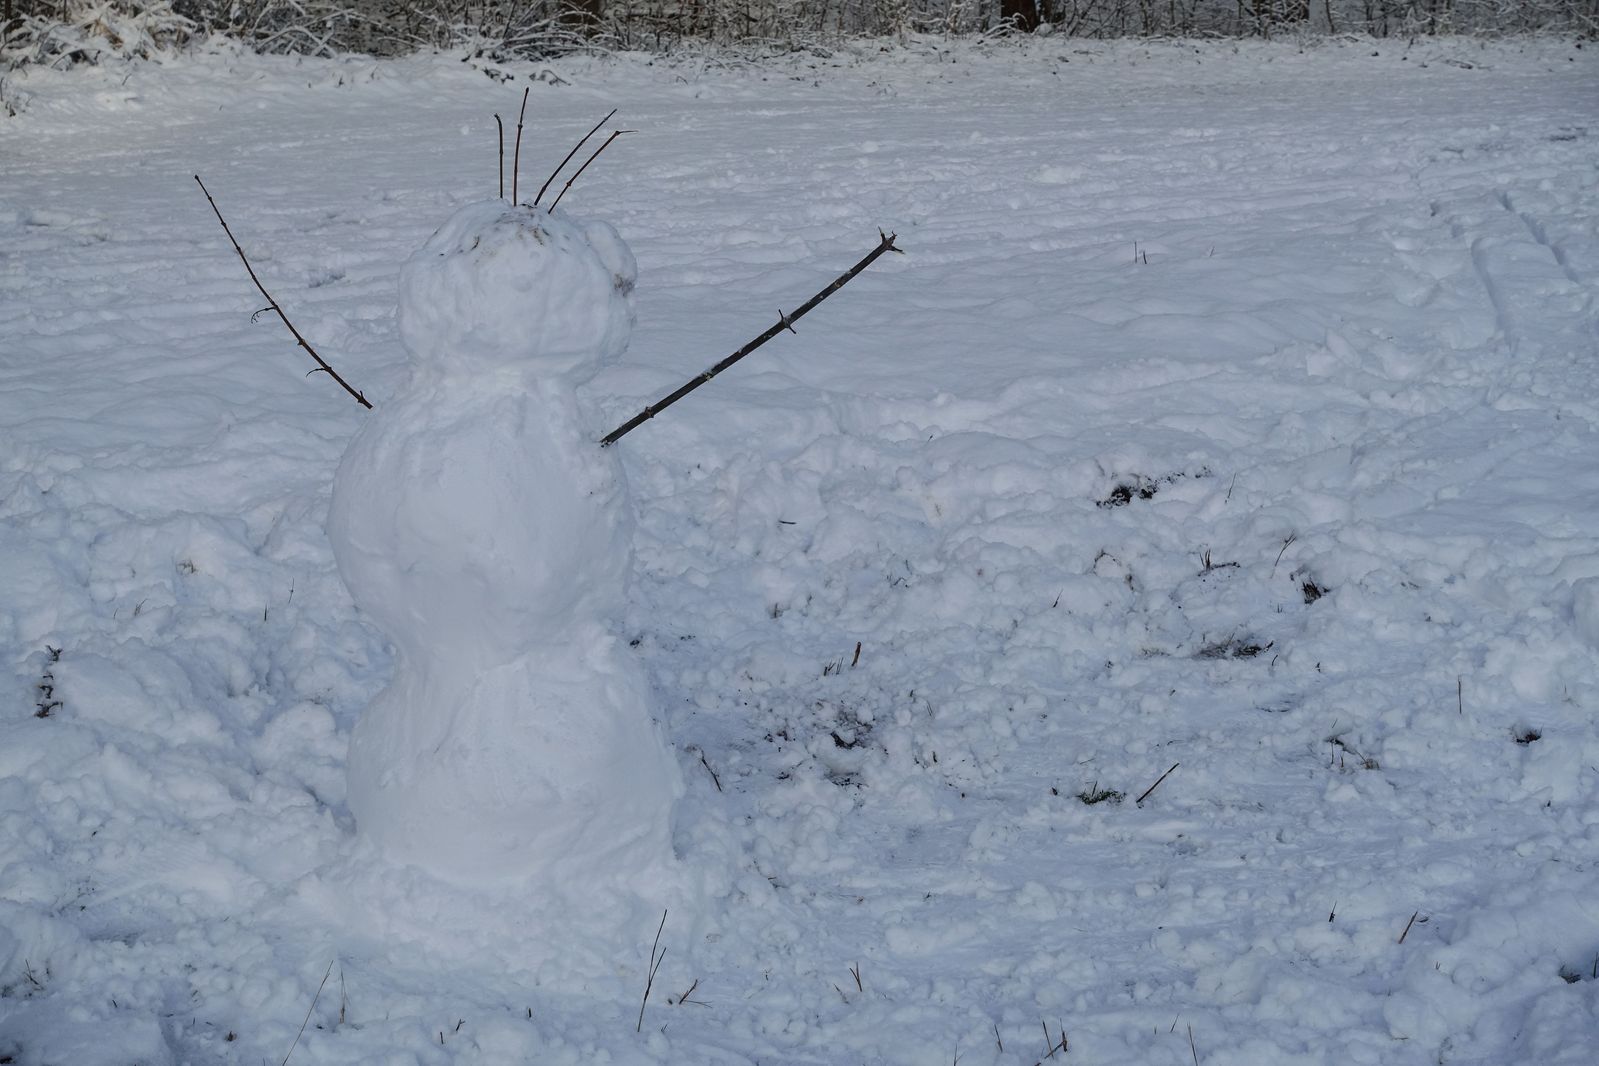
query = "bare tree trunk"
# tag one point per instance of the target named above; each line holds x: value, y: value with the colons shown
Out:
x: 586, y: 15
x: 1262, y: 13
x: 1024, y: 15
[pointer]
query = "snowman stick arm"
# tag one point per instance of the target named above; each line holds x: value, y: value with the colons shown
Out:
x: 783, y: 322
x: 321, y: 363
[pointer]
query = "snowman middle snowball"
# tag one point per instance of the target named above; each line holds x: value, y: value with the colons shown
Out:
x: 477, y: 522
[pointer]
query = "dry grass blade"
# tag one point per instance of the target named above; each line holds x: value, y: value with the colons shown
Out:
x: 649, y: 980
x: 1051, y: 1047
x: 308, y: 1011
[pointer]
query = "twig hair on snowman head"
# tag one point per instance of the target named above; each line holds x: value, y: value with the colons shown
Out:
x: 568, y: 159
x: 516, y: 158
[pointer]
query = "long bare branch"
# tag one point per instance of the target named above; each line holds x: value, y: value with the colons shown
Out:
x: 783, y: 322
x: 321, y: 363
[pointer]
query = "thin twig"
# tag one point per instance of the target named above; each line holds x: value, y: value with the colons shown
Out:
x: 614, y: 135
x: 1192, y: 1050
x: 321, y: 363
x: 556, y: 172
x: 783, y: 322
x: 649, y: 981
x: 1156, y: 785
x: 855, y: 972
x: 717, y: 781
x: 516, y: 159
x: 501, y: 126
x: 1407, y: 927
x: 308, y: 1011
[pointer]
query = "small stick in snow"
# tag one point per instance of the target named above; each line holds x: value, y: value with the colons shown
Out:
x: 554, y: 173
x: 322, y: 366
x: 1049, y: 1044
x: 1460, y: 695
x: 1192, y: 1050
x: 1407, y: 927
x: 886, y: 244
x: 649, y: 980
x: 855, y: 972
x: 501, y: 126
x: 1139, y: 802
x: 516, y: 158
x: 614, y: 135
x: 717, y: 781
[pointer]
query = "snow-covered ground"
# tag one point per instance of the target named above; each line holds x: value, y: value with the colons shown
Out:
x: 1234, y: 409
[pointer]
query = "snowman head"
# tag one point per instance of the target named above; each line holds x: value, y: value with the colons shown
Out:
x: 500, y: 285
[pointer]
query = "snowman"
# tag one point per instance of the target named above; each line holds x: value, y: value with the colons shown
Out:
x: 477, y: 523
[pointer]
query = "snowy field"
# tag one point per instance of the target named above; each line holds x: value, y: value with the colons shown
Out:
x: 1233, y: 409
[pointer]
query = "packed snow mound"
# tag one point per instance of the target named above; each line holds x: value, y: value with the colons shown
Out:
x: 545, y: 768
x: 498, y: 283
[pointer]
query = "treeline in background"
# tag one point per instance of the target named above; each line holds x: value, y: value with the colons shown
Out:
x: 64, y: 32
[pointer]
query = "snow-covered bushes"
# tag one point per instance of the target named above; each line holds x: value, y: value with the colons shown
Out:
x: 63, y: 32
x: 87, y: 31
